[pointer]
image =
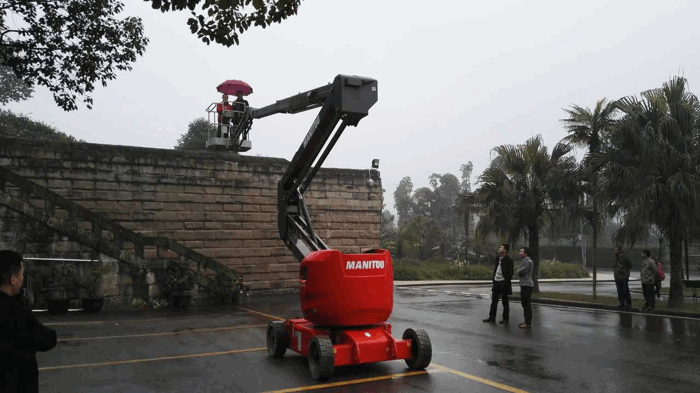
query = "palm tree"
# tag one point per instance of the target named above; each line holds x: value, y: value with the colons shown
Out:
x: 651, y: 171
x: 464, y: 206
x: 523, y: 187
x: 590, y: 129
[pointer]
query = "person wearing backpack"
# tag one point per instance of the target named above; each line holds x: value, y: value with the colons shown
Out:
x: 660, y: 277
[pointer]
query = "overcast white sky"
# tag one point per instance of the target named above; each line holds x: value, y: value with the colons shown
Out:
x: 456, y: 78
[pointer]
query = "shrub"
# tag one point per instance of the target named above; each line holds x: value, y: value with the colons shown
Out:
x: 93, y: 278
x: 55, y: 279
x: 224, y: 283
x: 179, y: 278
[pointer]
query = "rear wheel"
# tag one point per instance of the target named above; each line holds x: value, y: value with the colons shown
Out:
x: 321, y: 358
x: 421, y: 349
x: 277, y: 339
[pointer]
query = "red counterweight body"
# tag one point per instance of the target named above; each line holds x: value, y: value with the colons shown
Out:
x: 347, y: 289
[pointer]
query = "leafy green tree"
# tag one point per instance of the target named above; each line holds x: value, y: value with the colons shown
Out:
x: 388, y: 232
x: 425, y: 235
x: 445, y: 191
x: 651, y: 171
x: 21, y: 126
x: 68, y: 45
x: 442, y: 209
x: 423, y: 202
x: 403, y: 201
x: 523, y: 187
x: 590, y: 128
x: 196, y: 136
x: 221, y: 21
x: 12, y: 89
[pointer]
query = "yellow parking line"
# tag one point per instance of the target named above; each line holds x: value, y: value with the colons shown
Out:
x: 161, y: 334
x: 102, y: 322
x: 198, y: 355
x: 260, y: 313
x: 475, y: 378
x: 351, y: 382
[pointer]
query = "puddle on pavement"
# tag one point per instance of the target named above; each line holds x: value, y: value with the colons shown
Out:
x: 521, y: 361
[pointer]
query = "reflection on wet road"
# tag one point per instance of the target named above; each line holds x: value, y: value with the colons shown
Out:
x: 567, y: 350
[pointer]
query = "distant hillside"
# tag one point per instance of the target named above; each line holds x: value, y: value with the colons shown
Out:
x: 20, y: 126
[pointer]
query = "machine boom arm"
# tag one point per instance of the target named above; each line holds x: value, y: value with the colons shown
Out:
x: 347, y: 100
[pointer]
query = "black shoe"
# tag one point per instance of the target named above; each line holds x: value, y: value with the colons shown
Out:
x: 503, y: 321
x: 489, y: 320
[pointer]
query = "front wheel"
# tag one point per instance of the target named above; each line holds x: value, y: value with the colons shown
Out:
x: 421, y: 349
x: 321, y: 358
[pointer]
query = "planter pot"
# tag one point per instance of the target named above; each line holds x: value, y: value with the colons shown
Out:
x: 58, y: 306
x: 92, y: 305
x: 180, y: 301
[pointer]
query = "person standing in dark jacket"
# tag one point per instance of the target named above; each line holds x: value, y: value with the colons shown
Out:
x: 621, y: 270
x: 21, y: 334
x: 502, y: 275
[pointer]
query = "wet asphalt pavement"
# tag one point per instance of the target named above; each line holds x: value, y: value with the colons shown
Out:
x: 223, y: 349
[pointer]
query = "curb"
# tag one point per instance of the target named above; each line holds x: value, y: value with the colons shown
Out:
x: 606, y: 307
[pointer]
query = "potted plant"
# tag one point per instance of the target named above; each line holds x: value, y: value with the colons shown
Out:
x: 179, y: 281
x: 91, y: 282
x: 61, y: 276
x: 30, y: 276
x: 223, y: 287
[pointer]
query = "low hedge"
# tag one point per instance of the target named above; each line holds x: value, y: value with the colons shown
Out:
x: 557, y: 269
x: 441, y: 271
x: 416, y: 271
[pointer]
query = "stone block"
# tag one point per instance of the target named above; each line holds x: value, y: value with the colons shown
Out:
x: 145, y: 196
x: 194, y: 225
x: 83, y: 184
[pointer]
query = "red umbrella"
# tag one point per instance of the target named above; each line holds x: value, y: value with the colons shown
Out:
x: 232, y: 87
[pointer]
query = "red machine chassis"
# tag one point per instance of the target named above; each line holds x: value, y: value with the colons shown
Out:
x: 353, y: 345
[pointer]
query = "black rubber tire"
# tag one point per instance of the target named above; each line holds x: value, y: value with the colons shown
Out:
x: 421, y: 349
x: 321, y: 358
x: 277, y: 339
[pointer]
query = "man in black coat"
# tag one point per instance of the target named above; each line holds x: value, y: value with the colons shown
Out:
x: 21, y: 334
x: 502, y: 276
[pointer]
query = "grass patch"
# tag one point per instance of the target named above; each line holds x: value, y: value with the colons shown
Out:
x: 612, y: 301
x: 665, y: 291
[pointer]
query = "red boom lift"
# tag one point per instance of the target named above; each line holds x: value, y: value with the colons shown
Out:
x: 346, y: 299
